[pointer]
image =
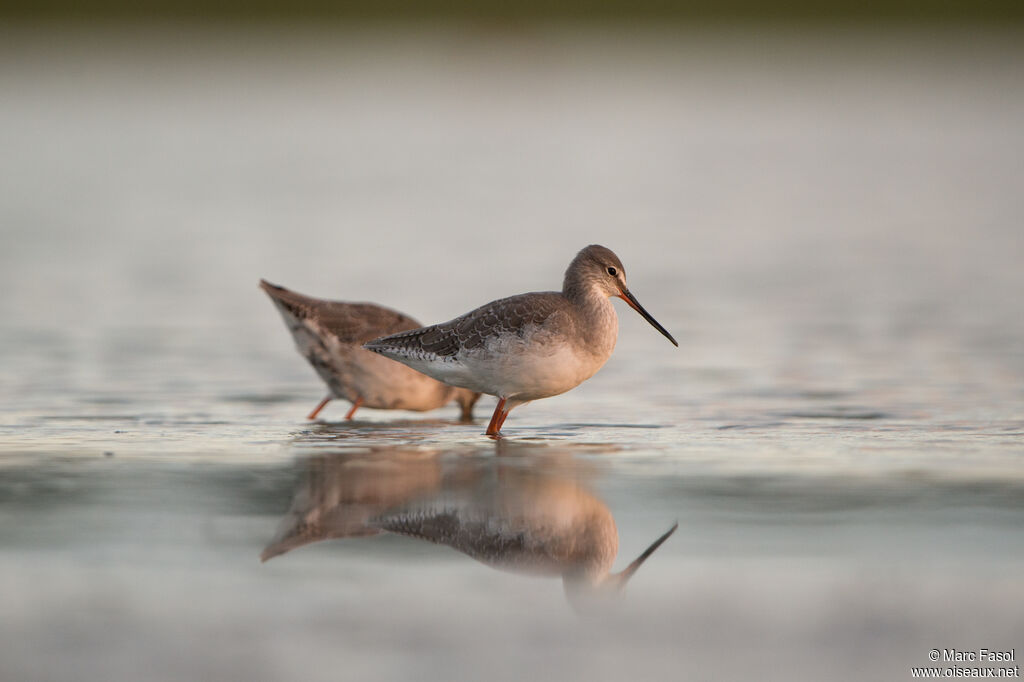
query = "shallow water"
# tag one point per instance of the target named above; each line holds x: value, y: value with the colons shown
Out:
x: 830, y: 225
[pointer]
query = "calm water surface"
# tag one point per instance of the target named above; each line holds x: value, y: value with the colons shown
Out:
x: 830, y: 225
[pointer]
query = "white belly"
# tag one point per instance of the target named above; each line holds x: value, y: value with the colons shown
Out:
x: 531, y: 363
x: 523, y: 370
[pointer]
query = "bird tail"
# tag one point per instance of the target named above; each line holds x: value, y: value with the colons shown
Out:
x: 287, y: 301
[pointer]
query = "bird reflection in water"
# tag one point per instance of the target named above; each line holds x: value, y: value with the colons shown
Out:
x: 513, y: 516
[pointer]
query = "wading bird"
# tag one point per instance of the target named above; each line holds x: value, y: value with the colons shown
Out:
x: 530, y: 346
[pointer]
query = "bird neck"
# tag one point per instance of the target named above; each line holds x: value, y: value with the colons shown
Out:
x: 578, y: 286
x: 598, y: 323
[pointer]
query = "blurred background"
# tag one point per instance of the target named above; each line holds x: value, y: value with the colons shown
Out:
x: 821, y: 200
x: 530, y: 12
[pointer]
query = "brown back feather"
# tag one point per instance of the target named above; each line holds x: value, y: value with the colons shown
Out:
x: 350, y: 322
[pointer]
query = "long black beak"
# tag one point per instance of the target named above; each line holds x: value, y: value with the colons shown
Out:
x: 635, y: 305
x: 620, y: 579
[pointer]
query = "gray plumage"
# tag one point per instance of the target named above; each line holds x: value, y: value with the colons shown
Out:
x: 514, y: 315
x: 529, y: 346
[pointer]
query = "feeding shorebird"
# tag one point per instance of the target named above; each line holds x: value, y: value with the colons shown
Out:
x: 530, y: 346
x: 330, y: 334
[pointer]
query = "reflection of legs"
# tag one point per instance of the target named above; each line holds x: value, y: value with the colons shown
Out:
x: 497, y: 419
x: 314, y: 413
x: 355, y: 406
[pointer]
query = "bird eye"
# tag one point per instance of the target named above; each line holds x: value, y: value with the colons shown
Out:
x: 612, y: 271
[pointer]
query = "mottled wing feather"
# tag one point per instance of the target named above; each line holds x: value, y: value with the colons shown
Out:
x: 361, y: 322
x: 349, y: 322
x: 505, y: 316
x: 473, y: 537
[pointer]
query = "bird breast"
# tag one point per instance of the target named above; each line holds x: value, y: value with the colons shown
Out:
x: 544, y: 360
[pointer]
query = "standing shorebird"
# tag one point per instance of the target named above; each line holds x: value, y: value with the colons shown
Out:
x: 529, y: 346
x: 330, y: 335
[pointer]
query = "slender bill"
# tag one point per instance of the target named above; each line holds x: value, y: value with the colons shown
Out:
x: 620, y: 579
x: 635, y: 305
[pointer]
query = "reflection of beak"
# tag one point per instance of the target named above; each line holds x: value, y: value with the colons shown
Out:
x: 635, y: 305
x: 620, y: 579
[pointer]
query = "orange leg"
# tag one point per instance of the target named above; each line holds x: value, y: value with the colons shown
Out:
x: 497, y: 419
x: 504, y: 415
x: 314, y: 413
x: 355, y: 406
